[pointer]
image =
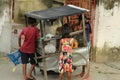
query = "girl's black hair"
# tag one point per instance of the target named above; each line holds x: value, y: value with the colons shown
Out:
x: 65, y: 31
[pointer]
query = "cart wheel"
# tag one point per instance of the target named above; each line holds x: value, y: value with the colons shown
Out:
x: 85, y: 69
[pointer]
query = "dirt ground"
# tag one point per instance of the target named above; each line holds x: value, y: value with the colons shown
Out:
x: 105, y: 71
x: 98, y: 71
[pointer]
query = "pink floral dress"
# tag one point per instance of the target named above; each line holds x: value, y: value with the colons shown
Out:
x: 65, y: 58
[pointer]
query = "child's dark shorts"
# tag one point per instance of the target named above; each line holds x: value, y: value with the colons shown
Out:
x: 27, y: 57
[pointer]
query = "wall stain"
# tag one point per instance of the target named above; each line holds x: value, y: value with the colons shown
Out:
x: 114, y: 53
x: 48, y: 3
x: 3, y: 4
x: 108, y: 4
x: 1, y: 7
x: 106, y: 53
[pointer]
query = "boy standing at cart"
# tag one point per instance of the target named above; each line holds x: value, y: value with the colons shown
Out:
x: 30, y: 34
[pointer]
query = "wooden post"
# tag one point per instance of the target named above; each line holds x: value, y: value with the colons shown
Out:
x: 94, y: 4
x: 42, y: 24
x: 41, y: 31
x: 84, y: 31
x: 26, y: 20
x: 68, y: 19
x: 61, y: 19
x: 89, y: 2
x: 13, y: 4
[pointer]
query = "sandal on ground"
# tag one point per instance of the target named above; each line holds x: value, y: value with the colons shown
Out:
x: 79, y: 75
x: 33, y: 78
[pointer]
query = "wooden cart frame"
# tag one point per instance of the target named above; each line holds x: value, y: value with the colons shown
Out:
x: 58, y: 12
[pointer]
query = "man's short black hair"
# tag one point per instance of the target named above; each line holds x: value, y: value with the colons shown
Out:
x: 31, y: 20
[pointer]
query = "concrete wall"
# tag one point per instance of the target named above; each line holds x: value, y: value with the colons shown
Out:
x: 107, y: 31
x: 5, y: 30
x: 22, y: 6
x: 16, y: 29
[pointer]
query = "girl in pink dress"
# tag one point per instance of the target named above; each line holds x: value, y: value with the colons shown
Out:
x: 65, y: 58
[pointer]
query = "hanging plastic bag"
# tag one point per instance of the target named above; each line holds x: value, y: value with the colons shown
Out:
x: 50, y: 48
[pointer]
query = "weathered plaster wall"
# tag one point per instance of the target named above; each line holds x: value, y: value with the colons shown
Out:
x: 5, y: 29
x: 22, y: 6
x: 107, y: 31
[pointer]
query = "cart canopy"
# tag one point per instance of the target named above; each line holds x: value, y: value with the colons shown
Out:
x: 56, y: 12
